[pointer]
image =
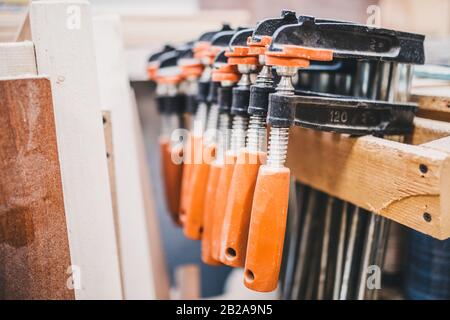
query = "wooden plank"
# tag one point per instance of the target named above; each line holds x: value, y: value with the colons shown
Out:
x: 24, y: 31
x: 34, y: 249
x: 188, y: 281
x: 379, y: 175
x: 62, y: 34
x: 136, y: 260
x: 160, y: 274
x: 107, y: 129
x: 17, y: 59
x: 434, y: 103
x: 426, y: 130
x: 433, y: 106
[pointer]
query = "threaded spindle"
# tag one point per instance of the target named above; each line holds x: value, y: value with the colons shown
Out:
x: 200, y: 119
x: 256, y: 134
x: 278, y: 145
x: 238, y: 133
x: 223, y: 140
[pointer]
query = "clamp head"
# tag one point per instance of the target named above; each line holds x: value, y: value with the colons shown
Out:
x: 202, y: 46
x: 190, y: 67
x: 224, y: 72
x: 168, y: 71
x: 239, y: 51
x: 347, y: 40
x: 153, y: 61
x: 262, y: 35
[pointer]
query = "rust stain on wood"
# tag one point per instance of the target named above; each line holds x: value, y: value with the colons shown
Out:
x: 34, y: 250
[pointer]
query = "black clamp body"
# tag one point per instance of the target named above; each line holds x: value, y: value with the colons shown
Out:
x: 347, y: 40
x: 240, y: 101
x: 171, y: 104
x: 259, y: 93
x: 341, y: 114
x: 338, y: 113
x: 213, y: 92
x: 267, y: 27
x: 191, y: 104
x: 203, y: 91
x: 259, y: 99
x: 240, y: 93
x: 155, y: 56
x: 225, y: 98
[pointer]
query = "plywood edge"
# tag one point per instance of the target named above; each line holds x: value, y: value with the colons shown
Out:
x: 17, y: 59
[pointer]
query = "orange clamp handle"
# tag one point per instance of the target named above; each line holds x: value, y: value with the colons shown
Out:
x: 193, y: 226
x: 221, y: 202
x: 239, y: 206
x: 172, y: 173
x: 267, y: 229
x: 208, y: 213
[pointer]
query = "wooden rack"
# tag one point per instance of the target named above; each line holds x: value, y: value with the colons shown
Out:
x: 406, y: 182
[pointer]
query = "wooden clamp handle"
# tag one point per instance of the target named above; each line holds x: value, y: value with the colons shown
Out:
x: 221, y: 201
x: 208, y: 214
x: 238, y: 209
x: 172, y: 173
x: 267, y: 229
x: 193, y: 226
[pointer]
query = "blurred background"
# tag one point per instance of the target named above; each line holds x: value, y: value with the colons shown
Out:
x: 148, y: 24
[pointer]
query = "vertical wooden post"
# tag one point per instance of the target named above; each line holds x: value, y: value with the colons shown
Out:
x: 114, y: 89
x: 62, y: 34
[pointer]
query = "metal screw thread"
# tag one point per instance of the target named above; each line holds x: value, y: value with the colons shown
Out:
x: 256, y: 134
x: 200, y: 119
x: 285, y: 86
x: 223, y: 141
x: 211, y: 125
x: 278, y: 145
x: 238, y: 133
x: 265, y: 76
x: 213, y: 117
x: 174, y: 123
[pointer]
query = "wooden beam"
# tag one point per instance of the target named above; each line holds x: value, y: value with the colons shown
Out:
x: 24, y: 31
x: 399, y: 181
x: 188, y: 282
x: 160, y: 272
x: 62, y: 34
x: 34, y: 249
x: 135, y: 253
x: 426, y: 130
x: 432, y: 106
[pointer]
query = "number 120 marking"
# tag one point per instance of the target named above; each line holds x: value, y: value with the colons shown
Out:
x: 337, y: 116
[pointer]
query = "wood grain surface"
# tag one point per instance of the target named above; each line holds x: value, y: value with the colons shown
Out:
x: 34, y: 251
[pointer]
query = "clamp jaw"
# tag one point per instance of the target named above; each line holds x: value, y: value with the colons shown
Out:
x: 153, y: 62
x: 309, y: 40
x: 293, y: 47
